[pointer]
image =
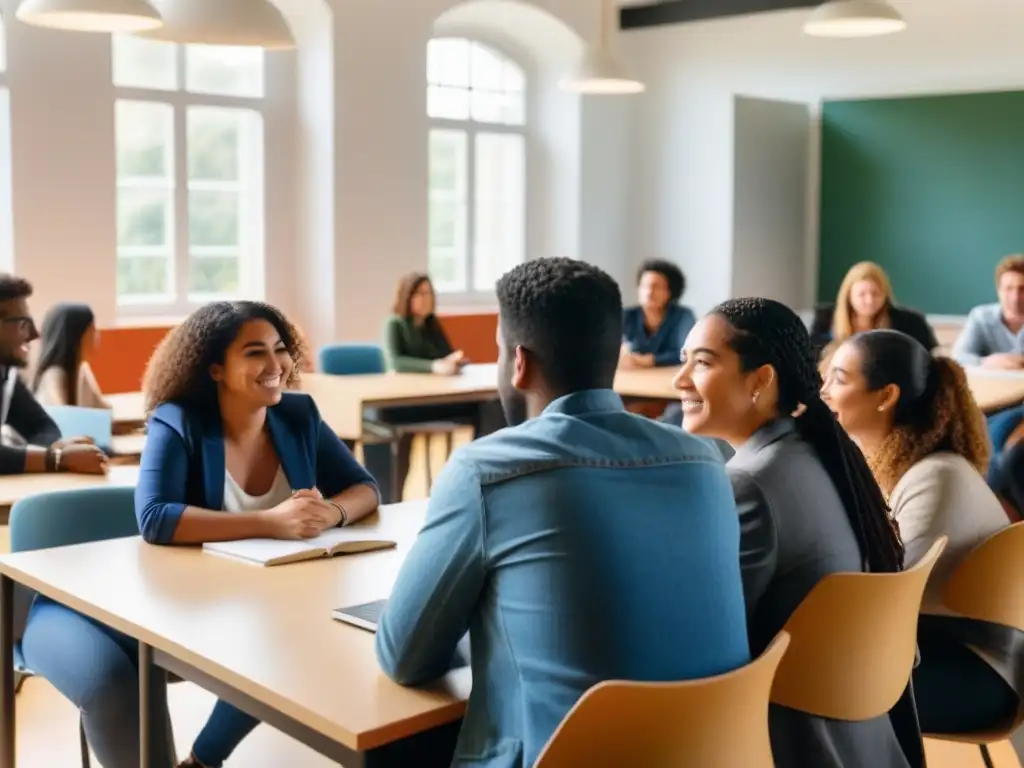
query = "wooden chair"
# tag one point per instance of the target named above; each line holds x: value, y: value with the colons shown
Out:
x: 717, y: 722
x: 854, y: 642
x: 988, y: 585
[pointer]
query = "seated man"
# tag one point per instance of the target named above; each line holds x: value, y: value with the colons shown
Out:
x: 993, y: 337
x: 582, y: 543
x: 30, y: 440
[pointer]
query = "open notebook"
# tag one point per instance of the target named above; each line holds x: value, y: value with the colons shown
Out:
x: 337, y: 541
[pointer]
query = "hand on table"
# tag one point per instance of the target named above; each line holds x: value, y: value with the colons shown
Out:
x: 302, y: 516
x: 82, y: 458
x: 1003, y: 361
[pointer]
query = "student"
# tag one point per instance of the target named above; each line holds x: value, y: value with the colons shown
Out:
x: 415, y: 342
x: 865, y: 302
x: 993, y: 337
x: 808, y: 504
x: 229, y: 455
x: 31, y: 441
x: 654, y: 332
x: 556, y: 542
x: 63, y: 375
x: 915, y: 418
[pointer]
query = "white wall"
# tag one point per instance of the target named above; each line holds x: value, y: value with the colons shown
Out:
x: 346, y: 139
x: 769, y: 215
x: 682, y: 145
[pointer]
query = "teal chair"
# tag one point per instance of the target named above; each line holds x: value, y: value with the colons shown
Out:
x: 59, y: 519
x: 359, y: 359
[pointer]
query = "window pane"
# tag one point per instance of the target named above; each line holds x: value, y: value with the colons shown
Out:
x: 494, y: 107
x: 144, y: 217
x: 514, y: 81
x: 145, y: 140
x: 486, y: 67
x: 141, y: 63
x: 214, y: 137
x: 218, y: 275
x: 448, y: 209
x: 448, y: 162
x: 143, y: 275
x: 449, y: 103
x: 224, y: 70
x: 213, y: 218
x: 499, y: 222
x: 448, y: 62
x: 3, y: 45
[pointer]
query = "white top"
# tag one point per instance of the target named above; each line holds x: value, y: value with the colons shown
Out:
x: 237, y: 500
x: 52, y: 389
x: 943, y: 494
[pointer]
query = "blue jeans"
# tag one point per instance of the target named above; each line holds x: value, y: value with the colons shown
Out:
x: 97, y: 669
x: 1001, y: 425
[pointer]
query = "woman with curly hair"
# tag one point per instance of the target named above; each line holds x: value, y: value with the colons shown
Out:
x: 924, y: 437
x: 229, y: 455
x: 808, y: 504
x: 653, y: 332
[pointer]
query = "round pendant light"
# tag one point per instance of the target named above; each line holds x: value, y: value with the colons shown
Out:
x: 599, y: 71
x: 854, y: 18
x: 256, y: 23
x: 90, y: 15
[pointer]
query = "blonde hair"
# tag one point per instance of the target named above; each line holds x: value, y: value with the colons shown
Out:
x: 1012, y: 263
x: 842, y: 317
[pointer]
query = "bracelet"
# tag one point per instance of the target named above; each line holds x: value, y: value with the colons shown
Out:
x: 52, y: 459
x: 344, y: 514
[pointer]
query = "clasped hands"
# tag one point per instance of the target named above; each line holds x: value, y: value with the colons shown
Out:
x: 302, y: 516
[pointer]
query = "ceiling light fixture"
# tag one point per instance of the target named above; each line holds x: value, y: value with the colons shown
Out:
x: 599, y: 71
x: 854, y: 18
x: 255, y: 23
x: 90, y: 15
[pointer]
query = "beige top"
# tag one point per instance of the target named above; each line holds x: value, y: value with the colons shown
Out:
x: 53, y: 386
x: 944, y: 494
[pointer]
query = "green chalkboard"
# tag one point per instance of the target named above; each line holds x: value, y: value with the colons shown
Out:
x: 931, y: 188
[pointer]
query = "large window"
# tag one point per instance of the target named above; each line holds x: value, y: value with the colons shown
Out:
x: 190, y: 210
x: 6, y: 207
x: 476, y: 102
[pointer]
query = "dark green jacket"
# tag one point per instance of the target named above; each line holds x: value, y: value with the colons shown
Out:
x: 411, y: 348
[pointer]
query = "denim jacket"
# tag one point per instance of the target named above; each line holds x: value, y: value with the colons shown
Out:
x: 583, y: 545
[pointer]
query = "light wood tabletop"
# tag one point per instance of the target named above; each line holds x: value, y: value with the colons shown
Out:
x: 266, y: 632
x: 15, y: 487
x: 995, y: 390
x: 128, y: 411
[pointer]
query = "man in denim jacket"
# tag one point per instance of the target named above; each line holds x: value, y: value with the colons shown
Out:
x: 580, y: 544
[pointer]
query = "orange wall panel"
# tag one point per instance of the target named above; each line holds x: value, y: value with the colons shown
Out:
x: 473, y: 334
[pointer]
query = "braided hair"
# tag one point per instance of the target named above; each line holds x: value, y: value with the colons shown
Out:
x: 765, y: 332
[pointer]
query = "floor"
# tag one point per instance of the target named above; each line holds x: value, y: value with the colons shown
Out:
x: 47, y: 725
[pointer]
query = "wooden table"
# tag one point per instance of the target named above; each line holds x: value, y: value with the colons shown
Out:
x: 260, y: 638
x: 995, y: 390
x: 129, y: 411
x: 15, y: 487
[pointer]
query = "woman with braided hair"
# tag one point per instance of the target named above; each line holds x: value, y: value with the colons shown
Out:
x: 808, y: 503
x: 925, y: 440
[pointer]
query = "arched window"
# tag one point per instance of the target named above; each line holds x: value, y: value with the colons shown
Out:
x: 190, y: 203
x: 476, y: 101
x: 6, y: 208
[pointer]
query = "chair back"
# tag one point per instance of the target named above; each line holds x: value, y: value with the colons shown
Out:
x: 854, y: 642
x: 716, y: 721
x: 61, y: 518
x: 77, y: 421
x: 351, y: 359
x: 988, y: 584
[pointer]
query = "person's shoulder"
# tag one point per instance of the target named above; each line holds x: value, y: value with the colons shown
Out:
x: 394, y: 321
x: 985, y: 313
x: 631, y: 313
x: 296, y: 407
x: 173, y: 415
x: 940, y: 469
x: 908, y: 314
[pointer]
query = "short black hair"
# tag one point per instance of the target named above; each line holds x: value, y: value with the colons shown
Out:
x: 568, y: 314
x: 673, y: 276
x: 12, y: 287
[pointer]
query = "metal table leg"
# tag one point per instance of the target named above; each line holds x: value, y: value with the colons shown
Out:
x: 152, y: 709
x: 6, y: 673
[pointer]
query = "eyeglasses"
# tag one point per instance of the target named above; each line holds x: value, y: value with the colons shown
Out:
x: 22, y: 323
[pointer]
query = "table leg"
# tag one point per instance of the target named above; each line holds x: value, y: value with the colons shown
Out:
x: 7, y: 737
x: 152, y: 710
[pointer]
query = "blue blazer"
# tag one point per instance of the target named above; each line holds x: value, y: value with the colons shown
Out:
x: 667, y: 341
x: 183, y: 461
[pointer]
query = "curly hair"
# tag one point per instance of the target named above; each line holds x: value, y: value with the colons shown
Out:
x: 12, y: 287
x: 673, y: 276
x: 936, y: 410
x: 178, y: 371
x: 568, y: 315
x: 765, y: 332
x: 842, y: 318
x: 408, y: 286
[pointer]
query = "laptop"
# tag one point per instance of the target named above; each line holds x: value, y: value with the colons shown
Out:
x: 76, y: 421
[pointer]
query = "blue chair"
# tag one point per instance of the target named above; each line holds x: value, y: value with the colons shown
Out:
x: 60, y: 519
x: 356, y: 359
x: 77, y: 421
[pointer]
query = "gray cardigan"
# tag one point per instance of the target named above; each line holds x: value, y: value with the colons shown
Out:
x: 794, y: 532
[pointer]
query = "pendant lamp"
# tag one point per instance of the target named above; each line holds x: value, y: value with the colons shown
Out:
x: 599, y: 71
x: 256, y: 23
x: 90, y: 15
x: 854, y: 18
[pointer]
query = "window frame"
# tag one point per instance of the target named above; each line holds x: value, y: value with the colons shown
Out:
x: 251, y: 270
x: 6, y: 158
x: 471, y: 129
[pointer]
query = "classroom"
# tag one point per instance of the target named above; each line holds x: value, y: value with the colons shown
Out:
x: 401, y: 383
